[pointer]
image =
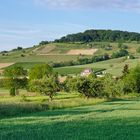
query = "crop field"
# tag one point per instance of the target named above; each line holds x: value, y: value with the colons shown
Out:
x: 38, y: 58
x: 109, y: 120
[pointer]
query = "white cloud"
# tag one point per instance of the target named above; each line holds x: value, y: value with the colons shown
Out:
x: 118, y: 4
x: 11, y: 37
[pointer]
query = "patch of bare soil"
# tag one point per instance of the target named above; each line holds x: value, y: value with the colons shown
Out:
x: 4, y: 65
x: 82, y: 52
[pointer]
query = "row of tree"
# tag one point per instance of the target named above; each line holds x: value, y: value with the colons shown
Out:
x: 107, y: 86
x: 40, y: 78
x: 83, y: 60
x: 43, y: 80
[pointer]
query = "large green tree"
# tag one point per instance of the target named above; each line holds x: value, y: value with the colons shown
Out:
x: 43, y: 80
x: 16, y: 78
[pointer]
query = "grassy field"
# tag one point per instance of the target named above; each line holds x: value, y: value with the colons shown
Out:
x: 71, y: 70
x: 38, y: 58
x: 113, y: 66
x: 117, y: 120
x: 28, y: 102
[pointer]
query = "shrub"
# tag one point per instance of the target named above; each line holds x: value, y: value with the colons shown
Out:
x: 131, y: 81
x: 138, y: 50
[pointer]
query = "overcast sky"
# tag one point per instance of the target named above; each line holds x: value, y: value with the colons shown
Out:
x: 27, y: 22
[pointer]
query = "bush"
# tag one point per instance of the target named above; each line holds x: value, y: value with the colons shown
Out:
x: 131, y: 81
x: 120, y: 53
x: 138, y: 50
x: 112, y: 88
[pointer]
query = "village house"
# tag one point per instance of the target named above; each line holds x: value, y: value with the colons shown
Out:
x: 87, y: 72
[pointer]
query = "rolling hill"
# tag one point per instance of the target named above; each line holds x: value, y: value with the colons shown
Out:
x: 66, y: 51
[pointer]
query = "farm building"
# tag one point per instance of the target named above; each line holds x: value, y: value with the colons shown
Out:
x: 87, y: 72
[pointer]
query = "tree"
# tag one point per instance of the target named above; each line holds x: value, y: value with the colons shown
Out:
x: 39, y: 71
x: 19, y: 48
x: 120, y: 53
x: 101, y: 35
x: 90, y: 87
x: 43, y: 80
x: 71, y: 84
x: 111, y: 86
x: 46, y: 85
x: 125, y: 70
x: 131, y: 81
x: 17, y: 78
x: 43, y: 43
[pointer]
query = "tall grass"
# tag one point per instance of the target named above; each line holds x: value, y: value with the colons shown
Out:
x: 13, y: 106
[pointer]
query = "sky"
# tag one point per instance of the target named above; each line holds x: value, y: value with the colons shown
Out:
x: 27, y: 22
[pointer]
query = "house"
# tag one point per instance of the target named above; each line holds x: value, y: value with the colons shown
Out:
x: 87, y: 72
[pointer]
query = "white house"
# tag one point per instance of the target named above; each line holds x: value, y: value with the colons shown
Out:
x: 87, y: 72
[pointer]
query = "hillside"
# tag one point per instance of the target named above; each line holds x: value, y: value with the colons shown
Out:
x: 67, y: 52
x: 57, y: 52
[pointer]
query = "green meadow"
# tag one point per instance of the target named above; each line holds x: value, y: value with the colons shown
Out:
x: 117, y: 120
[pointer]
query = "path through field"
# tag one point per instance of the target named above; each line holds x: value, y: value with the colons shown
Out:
x: 116, y: 120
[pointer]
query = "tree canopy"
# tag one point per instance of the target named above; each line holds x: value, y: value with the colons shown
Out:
x: 101, y: 35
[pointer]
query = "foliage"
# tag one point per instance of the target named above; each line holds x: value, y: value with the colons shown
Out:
x: 125, y: 70
x: 43, y: 43
x: 39, y: 70
x: 131, y: 56
x: 43, y: 80
x: 101, y: 35
x: 120, y: 53
x: 90, y: 87
x: 112, y: 87
x: 16, y: 79
x: 13, y: 91
x: 138, y: 50
x: 131, y: 81
x: 45, y: 86
x: 15, y: 72
x: 82, y: 61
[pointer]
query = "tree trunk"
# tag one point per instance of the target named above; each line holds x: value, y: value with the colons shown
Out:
x: 51, y: 97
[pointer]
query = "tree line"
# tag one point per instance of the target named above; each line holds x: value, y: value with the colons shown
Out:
x: 101, y: 35
x: 97, y: 58
x: 43, y: 80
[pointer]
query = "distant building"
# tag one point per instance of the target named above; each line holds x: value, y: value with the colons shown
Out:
x: 87, y: 72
